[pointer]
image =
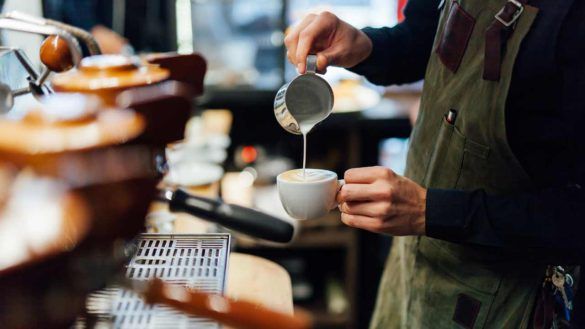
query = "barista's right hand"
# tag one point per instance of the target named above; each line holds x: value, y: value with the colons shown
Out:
x: 334, y: 41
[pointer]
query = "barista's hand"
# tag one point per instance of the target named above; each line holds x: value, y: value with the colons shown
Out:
x: 334, y: 41
x: 378, y: 200
x: 110, y: 42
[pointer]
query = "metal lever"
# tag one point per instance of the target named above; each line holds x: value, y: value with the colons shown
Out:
x: 22, y: 26
x: 23, y: 23
x: 86, y: 37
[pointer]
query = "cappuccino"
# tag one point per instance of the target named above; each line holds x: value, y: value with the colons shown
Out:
x: 308, y: 196
x: 307, y: 175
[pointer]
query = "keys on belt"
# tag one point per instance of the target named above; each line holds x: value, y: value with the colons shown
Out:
x: 561, y: 286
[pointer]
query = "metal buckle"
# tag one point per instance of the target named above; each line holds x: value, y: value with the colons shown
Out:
x: 514, y: 17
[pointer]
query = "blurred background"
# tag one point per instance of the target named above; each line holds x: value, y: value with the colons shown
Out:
x: 335, y: 270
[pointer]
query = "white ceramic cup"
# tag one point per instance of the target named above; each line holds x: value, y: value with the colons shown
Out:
x: 308, y: 199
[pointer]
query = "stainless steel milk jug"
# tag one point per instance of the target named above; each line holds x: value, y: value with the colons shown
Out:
x: 305, y: 101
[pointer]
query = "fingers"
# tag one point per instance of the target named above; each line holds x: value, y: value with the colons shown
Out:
x: 313, y: 34
x: 322, y: 63
x: 329, y: 57
x: 369, y: 209
x: 363, y: 222
x: 354, y: 192
x: 367, y: 175
x: 306, y: 42
x: 292, y: 38
x: 379, y: 191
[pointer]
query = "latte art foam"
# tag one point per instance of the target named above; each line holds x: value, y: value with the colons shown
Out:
x: 310, y: 175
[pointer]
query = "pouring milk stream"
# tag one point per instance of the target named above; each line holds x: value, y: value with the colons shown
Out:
x: 303, y: 103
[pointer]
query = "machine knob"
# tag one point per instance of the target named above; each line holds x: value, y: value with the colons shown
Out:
x: 55, y: 54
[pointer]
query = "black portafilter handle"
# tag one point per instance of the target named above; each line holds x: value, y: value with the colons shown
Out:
x: 245, y: 220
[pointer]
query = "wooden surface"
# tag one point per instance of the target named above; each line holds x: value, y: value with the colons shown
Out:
x: 37, y: 138
x: 106, y: 76
x: 260, y: 281
x: 109, y: 72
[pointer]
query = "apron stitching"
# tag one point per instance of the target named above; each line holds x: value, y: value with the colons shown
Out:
x: 489, y: 310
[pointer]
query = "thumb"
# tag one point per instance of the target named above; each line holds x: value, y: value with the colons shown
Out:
x: 328, y: 57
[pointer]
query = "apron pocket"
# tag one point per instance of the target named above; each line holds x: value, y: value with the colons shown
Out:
x: 474, y: 167
x: 451, y: 297
x: 455, y: 37
x: 445, y: 163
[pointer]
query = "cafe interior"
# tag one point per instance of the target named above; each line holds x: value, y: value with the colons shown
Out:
x: 139, y: 155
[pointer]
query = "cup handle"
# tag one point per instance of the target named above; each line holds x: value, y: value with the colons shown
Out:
x: 312, y: 64
x: 340, y: 184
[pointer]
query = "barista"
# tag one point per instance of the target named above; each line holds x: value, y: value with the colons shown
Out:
x: 494, y: 187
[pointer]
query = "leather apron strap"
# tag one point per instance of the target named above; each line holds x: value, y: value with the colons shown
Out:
x: 497, y: 35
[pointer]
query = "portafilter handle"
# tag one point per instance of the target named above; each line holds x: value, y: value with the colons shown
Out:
x: 245, y: 220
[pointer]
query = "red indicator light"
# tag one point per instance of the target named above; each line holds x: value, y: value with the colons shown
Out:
x: 249, y: 154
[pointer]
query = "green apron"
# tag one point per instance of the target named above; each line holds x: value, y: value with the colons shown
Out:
x: 430, y: 283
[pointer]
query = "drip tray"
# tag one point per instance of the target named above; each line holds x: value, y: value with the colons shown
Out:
x: 195, y: 261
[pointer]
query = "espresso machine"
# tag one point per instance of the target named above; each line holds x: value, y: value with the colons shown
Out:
x: 79, y: 171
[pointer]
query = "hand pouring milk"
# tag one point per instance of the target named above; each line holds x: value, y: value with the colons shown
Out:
x: 304, y: 102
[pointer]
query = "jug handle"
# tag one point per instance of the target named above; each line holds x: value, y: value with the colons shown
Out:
x: 312, y: 64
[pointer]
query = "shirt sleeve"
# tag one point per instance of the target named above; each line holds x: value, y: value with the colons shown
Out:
x: 552, y: 219
x: 81, y: 13
x: 400, y: 53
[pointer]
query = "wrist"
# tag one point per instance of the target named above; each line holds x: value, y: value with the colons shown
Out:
x: 369, y: 59
x: 366, y: 45
x: 420, y: 221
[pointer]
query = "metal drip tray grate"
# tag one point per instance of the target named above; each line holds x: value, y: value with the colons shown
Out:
x: 195, y: 261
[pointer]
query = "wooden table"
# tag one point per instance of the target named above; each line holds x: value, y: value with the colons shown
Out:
x: 260, y: 281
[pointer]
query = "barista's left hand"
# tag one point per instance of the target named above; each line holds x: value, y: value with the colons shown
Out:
x: 378, y: 200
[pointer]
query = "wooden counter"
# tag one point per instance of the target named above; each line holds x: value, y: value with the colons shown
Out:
x: 260, y: 281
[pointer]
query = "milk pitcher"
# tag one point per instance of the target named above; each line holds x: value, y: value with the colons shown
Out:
x: 305, y: 101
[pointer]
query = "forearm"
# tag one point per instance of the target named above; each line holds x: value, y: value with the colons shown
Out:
x: 400, y: 53
x: 550, y: 220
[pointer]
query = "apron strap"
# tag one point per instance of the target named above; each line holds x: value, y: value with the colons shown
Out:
x: 544, y: 310
x: 497, y: 35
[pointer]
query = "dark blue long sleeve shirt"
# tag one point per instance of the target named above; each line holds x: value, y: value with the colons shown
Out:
x: 80, y: 13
